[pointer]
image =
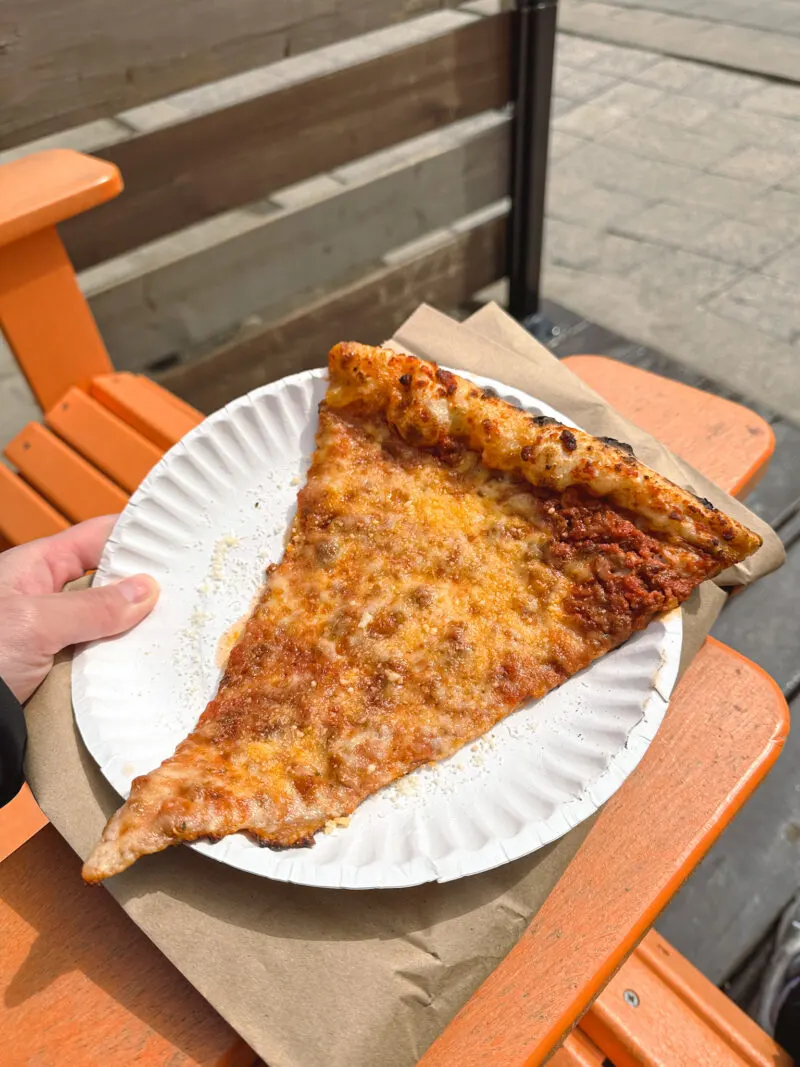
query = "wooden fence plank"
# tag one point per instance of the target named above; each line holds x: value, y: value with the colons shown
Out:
x: 368, y: 311
x: 95, y: 58
x: 203, y: 289
x: 181, y: 174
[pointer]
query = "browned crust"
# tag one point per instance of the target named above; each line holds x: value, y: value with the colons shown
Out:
x: 429, y: 406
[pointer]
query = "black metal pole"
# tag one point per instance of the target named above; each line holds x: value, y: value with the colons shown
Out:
x: 534, y: 49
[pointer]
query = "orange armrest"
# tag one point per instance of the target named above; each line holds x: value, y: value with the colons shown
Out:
x: 42, y: 189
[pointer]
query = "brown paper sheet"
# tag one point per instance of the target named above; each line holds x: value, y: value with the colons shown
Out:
x: 329, y: 977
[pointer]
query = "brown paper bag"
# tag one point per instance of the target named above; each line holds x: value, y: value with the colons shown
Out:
x: 315, y: 977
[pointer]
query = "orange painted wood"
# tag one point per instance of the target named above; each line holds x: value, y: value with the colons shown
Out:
x: 675, y: 1016
x: 578, y: 1051
x: 24, y: 515
x: 62, y: 476
x: 724, y: 729
x: 166, y: 394
x: 45, y: 319
x: 145, y: 406
x: 19, y: 821
x: 43, y: 314
x: 703, y: 997
x: 44, y: 188
x: 723, y: 440
x: 80, y: 985
x: 80, y: 490
x: 103, y: 438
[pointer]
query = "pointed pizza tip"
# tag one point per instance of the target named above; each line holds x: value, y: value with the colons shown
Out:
x: 157, y: 813
x: 105, y: 860
x: 112, y: 855
x: 130, y: 833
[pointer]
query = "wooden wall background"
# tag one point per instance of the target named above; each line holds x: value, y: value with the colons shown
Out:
x: 296, y: 172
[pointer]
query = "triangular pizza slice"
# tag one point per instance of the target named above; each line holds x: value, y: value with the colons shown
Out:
x: 452, y: 557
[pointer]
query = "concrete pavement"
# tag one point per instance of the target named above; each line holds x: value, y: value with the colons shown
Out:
x: 674, y: 211
x: 759, y: 36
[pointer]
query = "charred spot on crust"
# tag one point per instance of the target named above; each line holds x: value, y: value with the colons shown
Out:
x: 304, y: 842
x: 705, y: 502
x: 544, y: 420
x: 405, y: 379
x: 569, y: 440
x: 448, y: 450
x: 526, y: 454
x: 488, y: 392
x: 448, y: 380
x: 728, y: 535
x: 623, y: 446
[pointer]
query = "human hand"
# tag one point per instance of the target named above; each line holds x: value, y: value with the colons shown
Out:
x: 37, y: 619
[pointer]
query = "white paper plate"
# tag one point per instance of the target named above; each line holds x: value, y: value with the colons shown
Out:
x: 206, y: 522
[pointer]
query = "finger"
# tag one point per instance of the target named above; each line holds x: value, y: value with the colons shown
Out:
x: 72, y: 552
x: 56, y: 560
x: 71, y: 618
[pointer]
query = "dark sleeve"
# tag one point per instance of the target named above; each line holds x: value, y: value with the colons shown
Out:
x: 13, y: 738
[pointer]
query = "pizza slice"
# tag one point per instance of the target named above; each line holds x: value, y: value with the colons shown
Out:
x: 452, y: 557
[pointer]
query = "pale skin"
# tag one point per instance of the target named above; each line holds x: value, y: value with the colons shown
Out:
x: 38, y: 619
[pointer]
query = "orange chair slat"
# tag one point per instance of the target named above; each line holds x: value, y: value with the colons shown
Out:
x: 724, y: 729
x: 19, y: 820
x: 45, y: 188
x: 24, y: 515
x: 706, y: 1000
x: 145, y: 406
x: 45, y: 319
x: 578, y: 1051
x: 723, y: 440
x: 104, y: 439
x: 61, y: 475
x: 672, y: 1015
x: 81, y: 985
x: 165, y: 394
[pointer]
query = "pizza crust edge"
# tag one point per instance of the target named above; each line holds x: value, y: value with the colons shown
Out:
x: 432, y: 407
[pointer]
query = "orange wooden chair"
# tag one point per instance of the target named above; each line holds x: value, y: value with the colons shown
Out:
x: 102, y: 433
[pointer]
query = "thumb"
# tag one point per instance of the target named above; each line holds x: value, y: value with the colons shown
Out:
x: 74, y: 617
